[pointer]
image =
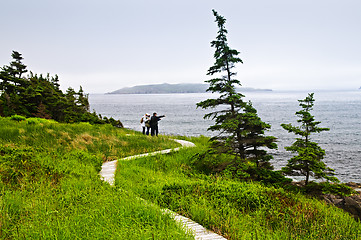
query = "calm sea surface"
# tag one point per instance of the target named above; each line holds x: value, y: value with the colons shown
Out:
x: 339, y: 111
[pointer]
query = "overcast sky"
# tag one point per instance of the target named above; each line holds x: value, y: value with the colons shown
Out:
x: 109, y: 44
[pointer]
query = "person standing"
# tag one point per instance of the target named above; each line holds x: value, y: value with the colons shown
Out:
x: 143, y: 122
x: 147, y: 123
x: 154, y: 124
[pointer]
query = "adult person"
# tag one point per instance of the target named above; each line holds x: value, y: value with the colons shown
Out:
x: 143, y: 123
x: 154, y: 124
x: 147, y: 124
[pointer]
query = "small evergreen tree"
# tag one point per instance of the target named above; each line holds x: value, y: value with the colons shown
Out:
x: 16, y: 67
x: 12, y: 86
x: 240, y: 130
x: 82, y: 100
x: 308, y: 162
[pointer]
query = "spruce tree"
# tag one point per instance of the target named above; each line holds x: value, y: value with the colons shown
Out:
x: 12, y: 86
x: 16, y: 68
x: 308, y: 161
x: 240, y: 131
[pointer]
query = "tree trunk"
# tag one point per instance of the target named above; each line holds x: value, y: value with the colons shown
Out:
x: 307, y: 174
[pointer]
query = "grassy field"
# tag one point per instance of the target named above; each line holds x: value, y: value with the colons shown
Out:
x: 50, y: 188
x: 237, y: 210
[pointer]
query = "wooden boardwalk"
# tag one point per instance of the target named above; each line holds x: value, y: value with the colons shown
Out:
x: 200, y: 233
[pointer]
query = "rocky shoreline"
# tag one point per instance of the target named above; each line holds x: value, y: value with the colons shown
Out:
x: 351, y: 204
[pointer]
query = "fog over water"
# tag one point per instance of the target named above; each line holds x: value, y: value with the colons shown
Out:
x: 339, y: 111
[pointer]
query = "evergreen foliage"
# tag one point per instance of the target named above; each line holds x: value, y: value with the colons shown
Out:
x: 40, y: 96
x: 308, y: 162
x: 240, y: 130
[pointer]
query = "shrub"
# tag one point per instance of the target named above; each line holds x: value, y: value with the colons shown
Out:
x: 339, y: 189
x: 208, y: 163
x: 39, y: 120
x: 32, y: 121
x: 17, y: 164
x: 18, y: 118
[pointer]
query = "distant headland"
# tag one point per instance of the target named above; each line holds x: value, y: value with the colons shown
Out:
x: 173, y: 88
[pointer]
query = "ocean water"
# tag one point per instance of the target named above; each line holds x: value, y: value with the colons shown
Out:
x: 338, y: 110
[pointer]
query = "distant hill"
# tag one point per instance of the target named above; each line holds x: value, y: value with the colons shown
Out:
x: 172, y: 88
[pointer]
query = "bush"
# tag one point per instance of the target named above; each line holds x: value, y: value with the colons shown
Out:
x: 208, y: 163
x: 39, y: 120
x: 266, y: 176
x: 17, y: 164
x: 18, y: 118
x: 339, y: 189
x: 32, y: 121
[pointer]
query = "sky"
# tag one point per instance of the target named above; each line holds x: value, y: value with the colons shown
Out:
x: 110, y: 44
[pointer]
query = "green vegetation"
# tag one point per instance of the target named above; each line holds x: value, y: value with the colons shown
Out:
x: 40, y: 96
x: 50, y: 188
x: 236, y: 209
x: 241, y: 132
x: 308, y: 162
x: 241, y: 142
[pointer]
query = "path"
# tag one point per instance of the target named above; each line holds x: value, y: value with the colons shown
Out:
x: 200, y: 233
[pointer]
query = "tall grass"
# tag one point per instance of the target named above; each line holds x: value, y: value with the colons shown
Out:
x: 237, y: 210
x: 50, y: 188
x: 104, y: 140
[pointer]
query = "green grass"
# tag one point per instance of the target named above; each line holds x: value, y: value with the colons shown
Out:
x: 237, y: 210
x: 103, y: 140
x: 50, y: 188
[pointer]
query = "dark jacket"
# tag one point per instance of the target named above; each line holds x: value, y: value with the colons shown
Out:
x: 154, y: 120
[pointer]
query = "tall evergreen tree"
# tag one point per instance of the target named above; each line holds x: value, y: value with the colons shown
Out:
x: 308, y: 162
x: 240, y: 131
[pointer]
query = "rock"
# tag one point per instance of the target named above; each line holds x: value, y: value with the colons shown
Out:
x: 351, y: 204
x: 332, y: 199
x: 355, y: 186
x: 299, y: 183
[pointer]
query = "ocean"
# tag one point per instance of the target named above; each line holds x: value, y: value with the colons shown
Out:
x: 338, y: 110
